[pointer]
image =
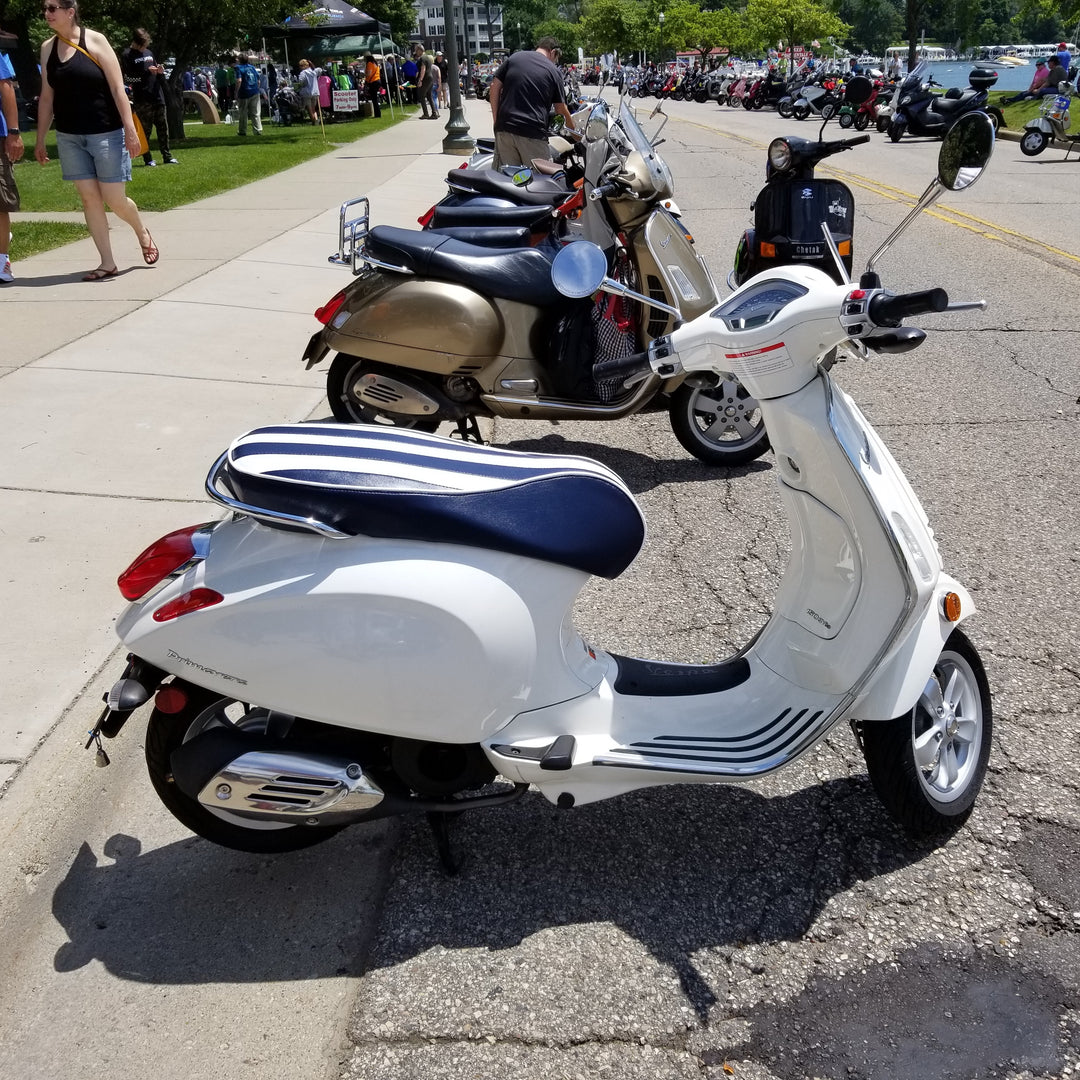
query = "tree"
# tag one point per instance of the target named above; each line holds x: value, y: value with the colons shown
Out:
x: 795, y: 23
x: 616, y: 26
x: 567, y: 34
x: 875, y: 24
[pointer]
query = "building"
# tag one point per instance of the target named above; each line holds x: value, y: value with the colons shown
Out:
x: 471, y: 21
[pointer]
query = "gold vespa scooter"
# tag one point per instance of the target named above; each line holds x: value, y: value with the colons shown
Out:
x: 433, y: 330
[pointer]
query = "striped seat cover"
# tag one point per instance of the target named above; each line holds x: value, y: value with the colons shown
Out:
x: 389, y: 482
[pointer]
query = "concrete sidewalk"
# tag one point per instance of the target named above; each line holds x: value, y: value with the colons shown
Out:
x: 117, y: 396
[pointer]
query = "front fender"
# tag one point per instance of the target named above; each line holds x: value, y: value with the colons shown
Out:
x: 895, y: 687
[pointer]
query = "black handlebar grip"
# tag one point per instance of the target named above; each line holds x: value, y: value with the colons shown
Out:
x: 858, y: 140
x: 888, y: 310
x: 622, y: 367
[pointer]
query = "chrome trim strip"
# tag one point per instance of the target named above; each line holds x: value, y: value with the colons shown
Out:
x: 261, y: 513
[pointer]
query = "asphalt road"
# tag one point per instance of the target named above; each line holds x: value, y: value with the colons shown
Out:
x: 784, y: 929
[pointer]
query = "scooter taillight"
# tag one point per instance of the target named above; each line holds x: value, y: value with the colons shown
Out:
x: 157, y: 562
x: 195, y: 600
x: 425, y: 219
x: 330, y: 308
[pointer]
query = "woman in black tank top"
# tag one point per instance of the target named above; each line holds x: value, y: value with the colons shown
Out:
x: 83, y: 90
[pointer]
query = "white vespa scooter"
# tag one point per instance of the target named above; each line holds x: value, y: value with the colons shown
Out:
x: 382, y: 624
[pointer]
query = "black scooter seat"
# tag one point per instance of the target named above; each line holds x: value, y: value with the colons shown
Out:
x: 398, y: 484
x: 502, y: 216
x: 499, y: 236
x: 946, y: 105
x: 522, y: 274
x: 537, y: 191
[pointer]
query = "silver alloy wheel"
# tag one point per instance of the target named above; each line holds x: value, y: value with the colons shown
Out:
x: 947, y: 729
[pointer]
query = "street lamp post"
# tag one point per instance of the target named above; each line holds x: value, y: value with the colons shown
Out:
x: 458, y: 140
x: 661, y: 41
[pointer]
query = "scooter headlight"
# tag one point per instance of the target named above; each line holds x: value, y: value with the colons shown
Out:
x: 780, y: 156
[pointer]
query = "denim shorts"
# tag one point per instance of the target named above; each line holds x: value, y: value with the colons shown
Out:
x: 102, y: 156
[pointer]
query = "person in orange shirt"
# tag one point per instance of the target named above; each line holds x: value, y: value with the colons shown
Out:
x: 373, y: 82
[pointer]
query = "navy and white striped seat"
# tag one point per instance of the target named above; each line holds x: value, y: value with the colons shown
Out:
x: 389, y: 482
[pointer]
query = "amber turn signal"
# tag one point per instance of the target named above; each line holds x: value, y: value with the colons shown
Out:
x: 950, y: 606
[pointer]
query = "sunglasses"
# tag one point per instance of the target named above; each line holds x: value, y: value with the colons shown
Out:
x: 49, y: 9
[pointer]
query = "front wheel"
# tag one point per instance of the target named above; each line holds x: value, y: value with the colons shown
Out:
x: 828, y: 111
x: 721, y: 425
x: 204, y: 711
x: 846, y: 120
x: 701, y: 96
x: 800, y: 112
x: 882, y: 124
x: 783, y: 107
x: 747, y: 103
x: 1034, y: 142
x: 927, y: 766
x: 896, y: 132
x: 342, y: 382
x: 862, y: 121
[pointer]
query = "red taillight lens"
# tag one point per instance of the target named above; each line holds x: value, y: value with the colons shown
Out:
x: 425, y: 219
x: 330, y: 308
x: 157, y: 562
x: 188, y: 602
x: 170, y: 699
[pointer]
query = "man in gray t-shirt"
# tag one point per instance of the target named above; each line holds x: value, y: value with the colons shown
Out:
x: 525, y: 88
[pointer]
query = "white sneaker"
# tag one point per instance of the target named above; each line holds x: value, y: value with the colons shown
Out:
x: 5, y: 271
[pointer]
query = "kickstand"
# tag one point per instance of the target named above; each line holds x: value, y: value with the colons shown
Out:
x: 439, y: 820
x: 468, y: 430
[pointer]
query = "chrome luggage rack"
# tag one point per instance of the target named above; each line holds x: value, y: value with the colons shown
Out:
x: 352, y: 232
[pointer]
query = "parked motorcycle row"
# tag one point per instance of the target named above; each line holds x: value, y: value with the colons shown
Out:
x: 382, y: 622
x: 912, y: 105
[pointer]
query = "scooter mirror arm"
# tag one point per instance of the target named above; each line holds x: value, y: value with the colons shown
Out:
x: 928, y: 198
x: 834, y: 251
x: 617, y: 288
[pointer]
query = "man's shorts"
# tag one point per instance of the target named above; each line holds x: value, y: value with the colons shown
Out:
x: 102, y: 157
x: 9, y: 193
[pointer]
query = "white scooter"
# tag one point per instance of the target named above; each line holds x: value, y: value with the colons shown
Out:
x: 382, y: 624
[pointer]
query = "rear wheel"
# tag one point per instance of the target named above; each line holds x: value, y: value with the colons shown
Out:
x: 846, y: 120
x: 862, y: 121
x: 747, y: 103
x: 204, y: 711
x: 828, y: 111
x: 342, y: 382
x: 701, y: 96
x: 721, y: 425
x: 1034, y: 142
x: 927, y: 766
x: 783, y: 107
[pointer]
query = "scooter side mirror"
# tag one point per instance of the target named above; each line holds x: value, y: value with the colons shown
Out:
x: 579, y: 269
x: 965, y: 150
x: 858, y: 90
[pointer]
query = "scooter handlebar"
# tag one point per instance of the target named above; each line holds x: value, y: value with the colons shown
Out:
x: 890, y: 310
x: 624, y: 367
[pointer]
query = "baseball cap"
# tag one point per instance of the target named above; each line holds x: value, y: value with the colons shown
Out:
x: 1040, y: 63
x: 1062, y: 45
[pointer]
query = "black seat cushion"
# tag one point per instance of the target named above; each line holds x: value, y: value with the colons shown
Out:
x: 391, y: 482
x: 521, y: 274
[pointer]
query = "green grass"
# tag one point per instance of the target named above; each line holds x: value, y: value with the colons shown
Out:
x: 32, y: 237
x: 213, y: 158
x: 1016, y: 116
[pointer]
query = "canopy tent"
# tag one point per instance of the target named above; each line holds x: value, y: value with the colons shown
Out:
x: 329, y: 47
x: 332, y: 29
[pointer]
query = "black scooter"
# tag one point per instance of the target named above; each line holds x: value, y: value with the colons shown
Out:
x: 792, y: 206
x: 920, y: 111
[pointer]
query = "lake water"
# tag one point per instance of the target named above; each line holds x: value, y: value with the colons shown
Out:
x: 953, y: 73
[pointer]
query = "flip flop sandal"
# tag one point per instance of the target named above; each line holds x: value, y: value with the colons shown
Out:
x: 150, y: 253
x: 101, y: 275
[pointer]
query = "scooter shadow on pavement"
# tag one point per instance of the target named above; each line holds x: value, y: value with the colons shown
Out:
x: 640, y: 472
x: 679, y: 869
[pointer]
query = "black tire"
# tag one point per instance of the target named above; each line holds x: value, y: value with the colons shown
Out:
x: 1033, y: 142
x: 167, y: 731
x: 344, y: 372
x: 862, y: 121
x: 720, y: 426
x: 896, y: 132
x: 747, y: 103
x: 721, y: 99
x: 701, y: 96
x: 950, y: 730
x: 883, y: 124
x: 828, y: 111
x: 847, y: 120
x: 783, y: 107
x: 800, y: 112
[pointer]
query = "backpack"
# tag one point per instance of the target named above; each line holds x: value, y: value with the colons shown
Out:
x: 250, y: 81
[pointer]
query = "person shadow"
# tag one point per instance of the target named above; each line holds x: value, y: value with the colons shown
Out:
x: 681, y: 869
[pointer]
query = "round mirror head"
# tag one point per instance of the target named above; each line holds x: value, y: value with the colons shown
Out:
x: 965, y: 150
x: 597, y: 126
x: 857, y: 90
x: 578, y: 269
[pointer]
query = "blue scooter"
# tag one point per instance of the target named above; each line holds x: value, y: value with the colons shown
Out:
x: 920, y: 111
